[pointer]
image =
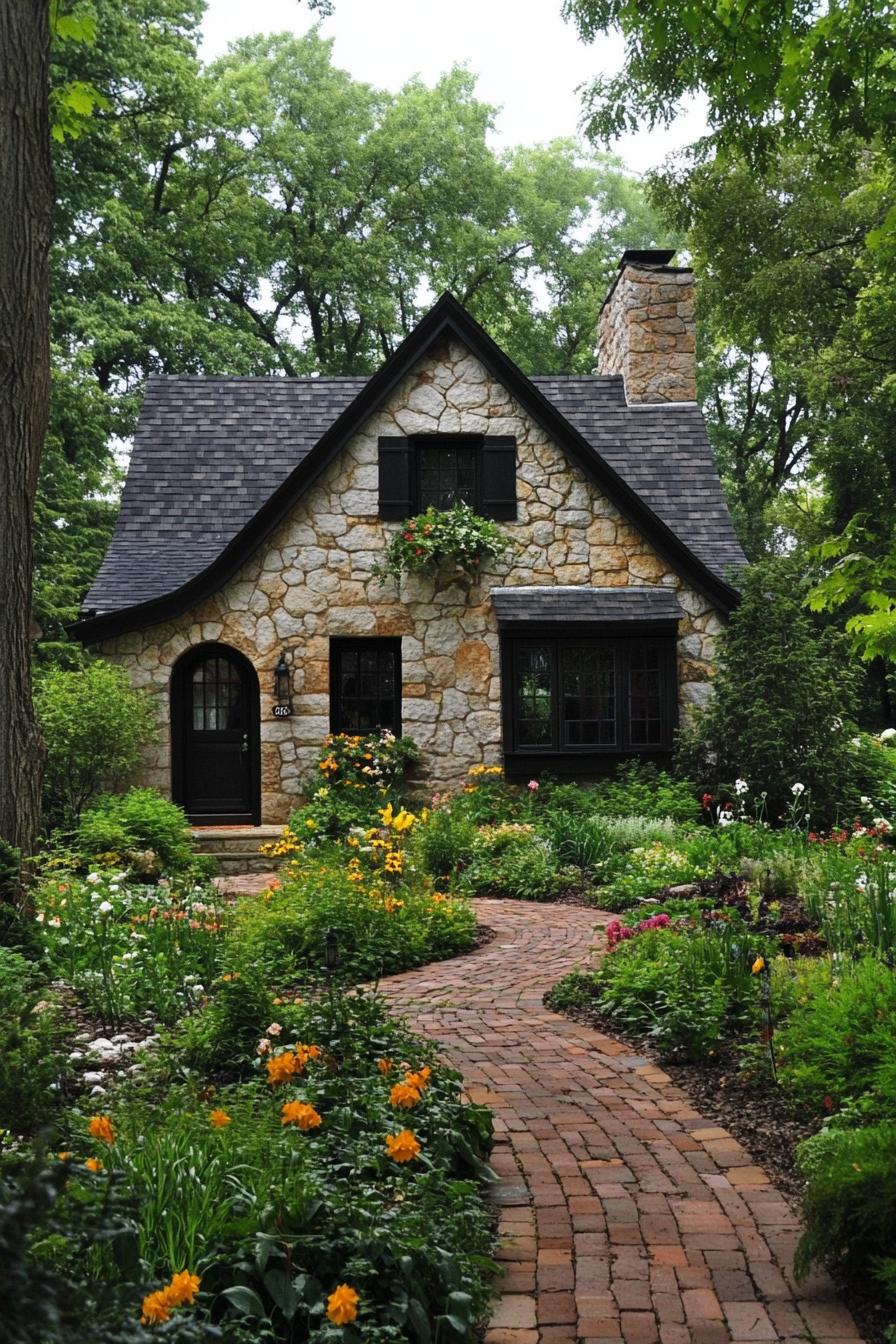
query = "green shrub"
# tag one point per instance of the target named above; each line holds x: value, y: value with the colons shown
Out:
x: 512, y: 860
x: 32, y: 1065
x: 849, y: 1202
x: 222, y: 1036
x: 581, y: 841
x: 626, y: 833
x: 94, y: 723
x: 355, y: 777
x: 138, y: 821
x: 640, y: 789
x: 836, y: 1046
x: 686, y: 991
x: 783, y: 699
x: 447, y: 841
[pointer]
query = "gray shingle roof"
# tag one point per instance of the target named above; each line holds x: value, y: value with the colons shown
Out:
x: 524, y: 605
x: 209, y: 452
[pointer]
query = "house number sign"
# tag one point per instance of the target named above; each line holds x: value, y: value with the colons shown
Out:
x: 282, y: 711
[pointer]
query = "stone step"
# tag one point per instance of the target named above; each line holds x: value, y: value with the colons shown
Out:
x: 236, y: 848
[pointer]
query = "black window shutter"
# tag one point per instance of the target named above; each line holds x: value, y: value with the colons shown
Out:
x: 499, y: 478
x: 396, y: 497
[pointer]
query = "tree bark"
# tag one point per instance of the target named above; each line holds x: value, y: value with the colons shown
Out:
x: 26, y: 205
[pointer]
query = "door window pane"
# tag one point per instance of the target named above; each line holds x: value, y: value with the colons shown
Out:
x: 645, y: 698
x: 217, y: 696
x: 447, y: 476
x: 589, y: 697
x: 534, y: 698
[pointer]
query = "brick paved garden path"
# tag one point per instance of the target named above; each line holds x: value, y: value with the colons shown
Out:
x: 625, y: 1217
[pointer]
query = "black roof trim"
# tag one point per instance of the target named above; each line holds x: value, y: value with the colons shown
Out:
x: 524, y: 605
x: 445, y: 319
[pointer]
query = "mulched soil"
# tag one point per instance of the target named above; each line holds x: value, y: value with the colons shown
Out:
x: 758, y: 1117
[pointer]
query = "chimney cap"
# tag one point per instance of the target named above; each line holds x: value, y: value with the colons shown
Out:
x: 646, y: 256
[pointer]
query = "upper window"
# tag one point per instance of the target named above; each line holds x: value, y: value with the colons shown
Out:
x: 365, y: 686
x: 440, y: 470
x: 589, y: 695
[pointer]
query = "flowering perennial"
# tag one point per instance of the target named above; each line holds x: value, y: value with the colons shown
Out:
x: 180, y: 1292
x: 402, y: 1147
x: 342, y: 1305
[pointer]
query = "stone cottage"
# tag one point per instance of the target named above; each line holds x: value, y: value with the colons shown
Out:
x: 238, y: 587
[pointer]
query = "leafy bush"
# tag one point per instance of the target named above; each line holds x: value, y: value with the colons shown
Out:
x: 135, y: 822
x: 447, y: 841
x: 581, y: 841
x: 684, y: 990
x: 356, y: 776
x: 94, y: 723
x: 835, y: 1047
x: 29, y: 1048
x: 625, y: 833
x: 438, y: 539
x: 783, y: 698
x: 222, y: 1036
x: 849, y: 1202
x: 639, y: 789
x: 511, y: 860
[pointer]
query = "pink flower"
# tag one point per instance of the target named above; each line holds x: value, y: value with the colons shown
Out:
x: 532, y: 785
x: 274, y: 1029
x: 263, y: 1046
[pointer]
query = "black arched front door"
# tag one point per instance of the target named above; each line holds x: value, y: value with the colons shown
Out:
x: 214, y: 736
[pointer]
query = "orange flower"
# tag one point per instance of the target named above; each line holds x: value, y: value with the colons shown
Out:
x: 219, y: 1119
x: 384, y: 1065
x: 183, y: 1288
x: 100, y: 1127
x: 282, y: 1067
x: 404, y: 1096
x: 64, y: 1157
x: 156, y: 1308
x: 402, y: 1147
x: 301, y: 1114
x: 342, y: 1305
x: 419, y: 1079
x: 93, y: 1164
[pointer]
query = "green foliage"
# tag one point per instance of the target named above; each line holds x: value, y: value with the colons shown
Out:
x: 781, y: 707
x: 850, y: 1202
x: 583, y: 842
x: 140, y: 820
x: 220, y: 1038
x: 639, y: 789
x: 686, y: 991
x: 442, y: 540
x: 94, y: 724
x: 29, y: 1031
x: 835, y: 1047
x: 356, y: 777
x: 512, y: 860
x: 447, y: 842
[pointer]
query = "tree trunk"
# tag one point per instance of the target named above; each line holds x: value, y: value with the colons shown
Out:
x: 26, y: 205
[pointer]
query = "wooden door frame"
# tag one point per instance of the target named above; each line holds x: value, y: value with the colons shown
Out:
x: 180, y: 678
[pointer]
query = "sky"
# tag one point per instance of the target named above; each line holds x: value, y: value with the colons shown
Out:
x: 528, y: 61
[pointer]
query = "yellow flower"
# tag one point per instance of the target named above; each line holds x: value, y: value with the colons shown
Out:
x: 342, y: 1305
x: 402, y: 1147
x: 311, y: 824
x: 93, y: 1164
x: 183, y: 1288
x: 404, y: 821
x: 391, y: 904
x: 301, y: 1114
x: 156, y: 1308
x: 419, y: 1079
x: 386, y: 814
x: 758, y: 965
x: 404, y: 1095
x: 219, y: 1119
x: 282, y: 1067
x: 100, y: 1127
x: 384, y: 1065
x: 394, y: 861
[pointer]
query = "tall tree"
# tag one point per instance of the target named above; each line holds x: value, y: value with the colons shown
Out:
x: 26, y: 191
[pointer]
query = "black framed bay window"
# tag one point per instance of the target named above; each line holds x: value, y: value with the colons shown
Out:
x: 365, y: 686
x: 587, y: 696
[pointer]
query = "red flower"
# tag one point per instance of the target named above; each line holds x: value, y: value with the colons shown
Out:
x: 707, y: 799
x: 828, y: 1103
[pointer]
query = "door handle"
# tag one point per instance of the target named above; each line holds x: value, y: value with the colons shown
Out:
x: 245, y: 744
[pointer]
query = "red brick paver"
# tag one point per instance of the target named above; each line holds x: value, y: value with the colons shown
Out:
x: 625, y: 1216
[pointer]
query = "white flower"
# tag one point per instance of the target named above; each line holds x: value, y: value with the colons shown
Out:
x: 104, y: 908
x: 836, y: 724
x: 866, y: 802
x: 93, y: 878
x: 887, y: 735
x: 262, y: 1047
x: 855, y: 741
x: 797, y: 789
x: 741, y: 786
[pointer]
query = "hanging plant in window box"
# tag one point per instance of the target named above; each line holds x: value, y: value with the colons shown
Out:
x: 436, y: 541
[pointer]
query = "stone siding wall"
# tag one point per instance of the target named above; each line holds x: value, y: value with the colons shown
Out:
x: 311, y: 579
x: 647, y: 333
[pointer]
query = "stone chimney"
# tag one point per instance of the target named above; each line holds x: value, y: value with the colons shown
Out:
x: 646, y: 328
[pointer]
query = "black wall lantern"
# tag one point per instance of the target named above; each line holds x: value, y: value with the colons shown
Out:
x: 282, y: 689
